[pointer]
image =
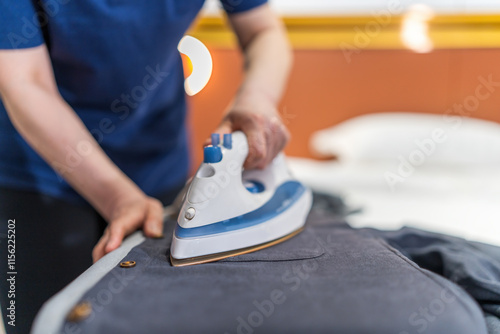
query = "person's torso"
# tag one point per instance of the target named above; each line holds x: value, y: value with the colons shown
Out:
x: 116, y: 63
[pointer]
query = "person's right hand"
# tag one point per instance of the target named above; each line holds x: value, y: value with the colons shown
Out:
x: 127, y: 215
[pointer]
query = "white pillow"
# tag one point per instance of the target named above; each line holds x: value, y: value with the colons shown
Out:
x: 448, y: 139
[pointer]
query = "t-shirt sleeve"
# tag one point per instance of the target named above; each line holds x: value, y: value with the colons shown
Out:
x: 19, y: 25
x: 238, y: 6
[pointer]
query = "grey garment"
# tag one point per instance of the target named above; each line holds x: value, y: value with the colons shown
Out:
x: 53, y: 312
x: 329, y: 279
x: 492, y: 321
x: 473, y: 266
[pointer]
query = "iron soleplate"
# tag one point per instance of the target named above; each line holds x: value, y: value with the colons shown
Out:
x: 223, y: 255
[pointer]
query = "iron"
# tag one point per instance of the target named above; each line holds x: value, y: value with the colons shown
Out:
x: 229, y: 211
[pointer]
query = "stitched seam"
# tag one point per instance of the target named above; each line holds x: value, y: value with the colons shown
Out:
x: 422, y: 271
x: 280, y: 260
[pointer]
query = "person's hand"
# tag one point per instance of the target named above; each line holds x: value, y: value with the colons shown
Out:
x: 266, y: 133
x: 127, y: 215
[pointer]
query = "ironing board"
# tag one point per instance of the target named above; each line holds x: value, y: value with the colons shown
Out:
x: 330, y: 278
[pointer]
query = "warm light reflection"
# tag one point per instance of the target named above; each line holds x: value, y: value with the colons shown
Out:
x: 201, y: 61
x: 415, y: 28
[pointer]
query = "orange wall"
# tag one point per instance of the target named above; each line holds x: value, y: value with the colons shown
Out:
x: 324, y: 89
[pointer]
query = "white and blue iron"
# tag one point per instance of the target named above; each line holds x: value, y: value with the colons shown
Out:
x: 228, y: 211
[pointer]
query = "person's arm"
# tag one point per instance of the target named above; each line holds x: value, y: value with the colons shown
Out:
x: 268, y: 59
x: 37, y: 110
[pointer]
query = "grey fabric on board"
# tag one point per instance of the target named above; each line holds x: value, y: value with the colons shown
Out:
x: 329, y: 279
x: 473, y: 266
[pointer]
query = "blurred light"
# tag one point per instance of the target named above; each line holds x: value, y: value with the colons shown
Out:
x: 201, y: 64
x: 415, y: 28
x: 187, y: 65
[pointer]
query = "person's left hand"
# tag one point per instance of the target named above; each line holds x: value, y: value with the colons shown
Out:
x: 265, y: 131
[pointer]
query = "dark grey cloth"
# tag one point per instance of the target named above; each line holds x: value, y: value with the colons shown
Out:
x: 473, y: 266
x: 329, y: 279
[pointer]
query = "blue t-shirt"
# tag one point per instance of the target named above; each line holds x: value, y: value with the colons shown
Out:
x: 116, y: 64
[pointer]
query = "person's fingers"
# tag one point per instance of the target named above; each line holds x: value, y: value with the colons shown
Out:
x: 257, y: 149
x: 277, y: 138
x: 224, y: 127
x: 116, y: 235
x: 153, y: 226
x: 98, y: 250
x: 253, y: 126
x: 269, y: 145
x: 122, y: 227
x: 267, y: 136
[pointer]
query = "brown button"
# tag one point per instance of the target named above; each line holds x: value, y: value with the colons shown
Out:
x: 80, y: 312
x: 127, y: 264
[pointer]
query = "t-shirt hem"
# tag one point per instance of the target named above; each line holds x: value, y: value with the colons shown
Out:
x: 65, y: 196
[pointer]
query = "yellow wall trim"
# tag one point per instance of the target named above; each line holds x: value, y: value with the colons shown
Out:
x: 338, y: 33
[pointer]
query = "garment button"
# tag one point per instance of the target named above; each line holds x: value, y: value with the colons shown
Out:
x: 80, y: 312
x: 127, y: 264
